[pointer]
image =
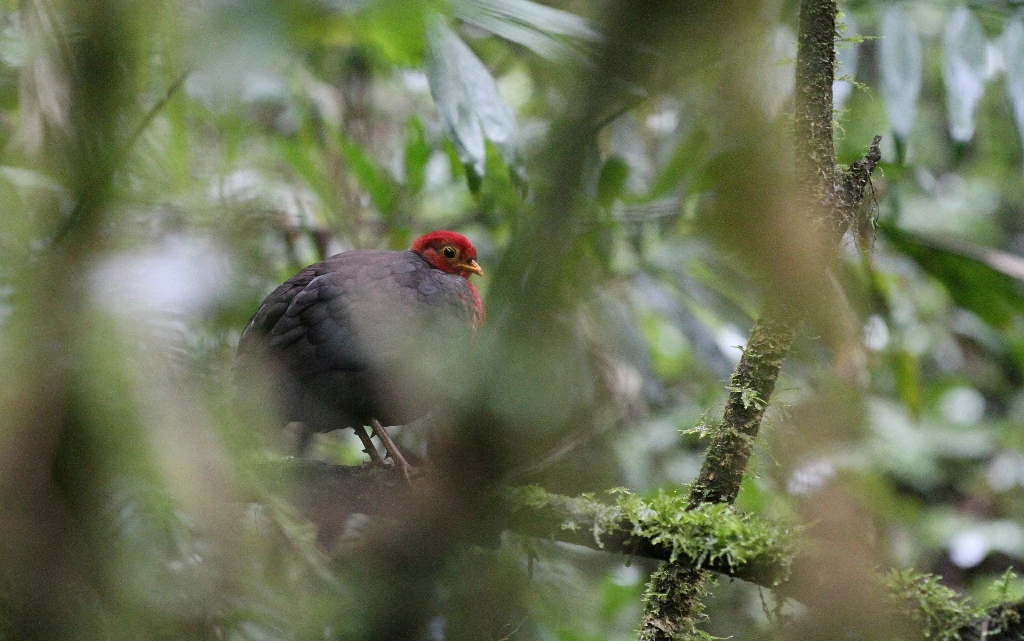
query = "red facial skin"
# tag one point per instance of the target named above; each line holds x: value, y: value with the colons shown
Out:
x: 460, y: 257
x: 453, y: 254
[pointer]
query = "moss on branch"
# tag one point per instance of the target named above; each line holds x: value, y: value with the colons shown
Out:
x: 711, y: 537
x: 832, y: 196
x: 751, y: 387
x: 934, y: 611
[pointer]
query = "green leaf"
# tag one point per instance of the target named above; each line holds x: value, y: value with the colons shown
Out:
x: 901, y: 65
x: 376, y: 182
x: 982, y: 280
x: 687, y: 158
x: 964, y: 58
x: 396, y: 28
x: 1013, y: 54
x: 611, y: 181
x: 907, y: 372
x: 541, y: 29
x: 468, y: 102
x: 534, y: 15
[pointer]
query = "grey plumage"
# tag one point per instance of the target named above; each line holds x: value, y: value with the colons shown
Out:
x: 362, y: 335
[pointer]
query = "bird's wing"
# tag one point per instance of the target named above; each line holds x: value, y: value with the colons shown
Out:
x: 254, y: 342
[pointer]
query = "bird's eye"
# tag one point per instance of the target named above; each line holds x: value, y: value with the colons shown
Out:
x: 449, y: 252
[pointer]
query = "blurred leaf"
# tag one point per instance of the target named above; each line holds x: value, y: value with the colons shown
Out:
x: 374, y: 180
x: 500, y: 194
x: 1013, y: 55
x: 900, y: 60
x: 777, y: 76
x: 907, y: 371
x: 392, y: 28
x: 687, y: 158
x: 30, y: 179
x: 647, y: 211
x: 970, y: 543
x: 540, y: 43
x: 417, y: 153
x: 534, y: 15
x: 530, y: 24
x: 397, y: 27
x: 14, y: 46
x: 304, y: 160
x: 985, y: 281
x: 468, y: 102
x: 611, y: 181
x: 963, y: 69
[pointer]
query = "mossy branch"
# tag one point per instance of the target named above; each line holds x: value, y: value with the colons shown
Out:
x: 815, y: 73
x: 752, y: 385
x: 693, y: 543
x: 715, y: 537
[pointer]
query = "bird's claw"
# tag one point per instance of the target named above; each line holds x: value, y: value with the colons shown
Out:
x: 393, y: 452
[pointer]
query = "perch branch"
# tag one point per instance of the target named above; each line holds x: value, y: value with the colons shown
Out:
x: 715, y: 538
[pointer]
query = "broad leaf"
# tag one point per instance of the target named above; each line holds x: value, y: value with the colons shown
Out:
x: 963, y: 69
x: 468, y: 102
x: 535, y: 26
x: 982, y: 280
x: 536, y: 16
x: 900, y: 61
x: 542, y: 44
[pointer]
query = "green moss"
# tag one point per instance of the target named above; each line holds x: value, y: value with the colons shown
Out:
x: 712, y: 537
x: 575, y: 513
x: 674, y: 604
x: 939, y: 612
x: 711, y: 532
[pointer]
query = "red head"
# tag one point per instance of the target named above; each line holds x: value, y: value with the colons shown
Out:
x: 449, y: 252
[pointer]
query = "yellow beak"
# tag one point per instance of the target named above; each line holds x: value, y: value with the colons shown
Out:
x: 472, y: 268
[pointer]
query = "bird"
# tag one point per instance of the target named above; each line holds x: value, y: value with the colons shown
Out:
x: 367, y: 338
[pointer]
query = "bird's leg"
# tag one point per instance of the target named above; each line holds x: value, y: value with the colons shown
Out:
x: 392, y: 449
x: 368, y: 445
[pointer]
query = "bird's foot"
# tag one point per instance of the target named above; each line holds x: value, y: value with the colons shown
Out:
x: 368, y: 445
x: 396, y: 456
